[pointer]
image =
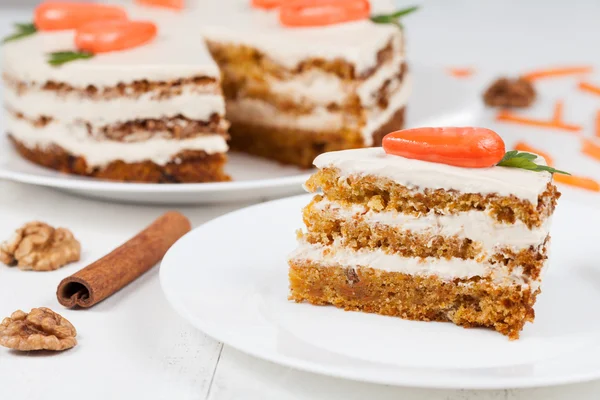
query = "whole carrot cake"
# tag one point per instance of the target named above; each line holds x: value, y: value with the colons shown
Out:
x: 158, y: 109
x: 425, y: 240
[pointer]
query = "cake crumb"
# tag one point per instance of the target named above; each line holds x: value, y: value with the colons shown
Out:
x: 506, y: 92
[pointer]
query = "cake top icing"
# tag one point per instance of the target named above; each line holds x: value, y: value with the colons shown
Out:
x: 523, y: 184
x: 174, y: 54
x: 179, y: 50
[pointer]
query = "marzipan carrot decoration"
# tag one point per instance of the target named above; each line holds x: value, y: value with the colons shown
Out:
x: 578, y: 181
x: 267, y: 4
x: 461, y: 72
x: 588, y: 87
x: 557, y: 72
x: 461, y: 147
x: 522, y: 146
x: 553, y: 123
x: 298, y: 13
x: 53, y: 16
x: 106, y: 36
x: 174, y: 4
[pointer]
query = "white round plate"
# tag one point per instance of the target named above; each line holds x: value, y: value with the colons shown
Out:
x: 229, y: 279
x: 436, y: 97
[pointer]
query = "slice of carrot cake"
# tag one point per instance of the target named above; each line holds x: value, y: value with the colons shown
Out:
x: 428, y: 228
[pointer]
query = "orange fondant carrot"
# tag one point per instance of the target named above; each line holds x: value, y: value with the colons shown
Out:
x: 53, y: 16
x: 107, y: 36
x: 522, y: 146
x: 268, y: 4
x: 462, y: 147
x: 588, y: 87
x: 578, y: 181
x: 323, y: 12
x: 461, y: 72
x: 174, y: 4
x: 557, y: 72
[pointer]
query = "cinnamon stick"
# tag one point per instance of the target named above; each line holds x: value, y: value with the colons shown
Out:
x: 123, y: 265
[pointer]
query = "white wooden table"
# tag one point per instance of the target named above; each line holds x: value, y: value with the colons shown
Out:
x: 134, y: 346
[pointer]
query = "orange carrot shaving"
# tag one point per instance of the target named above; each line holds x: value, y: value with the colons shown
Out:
x: 461, y: 72
x: 522, y: 146
x: 558, y: 112
x: 554, y: 123
x: 590, y: 149
x: 508, y: 116
x: 590, y: 88
x: 578, y: 181
x: 557, y: 72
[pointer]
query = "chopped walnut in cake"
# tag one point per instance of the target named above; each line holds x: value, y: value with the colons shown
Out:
x: 39, y: 247
x: 41, y: 329
x: 505, y: 92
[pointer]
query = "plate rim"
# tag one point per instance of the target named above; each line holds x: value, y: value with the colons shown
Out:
x: 452, y: 380
x: 80, y: 183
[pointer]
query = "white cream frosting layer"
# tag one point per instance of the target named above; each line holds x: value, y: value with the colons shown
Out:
x: 256, y: 111
x: 35, y: 103
x: 475, y: 225
x: 417, y: 174
x: 322, y: 88
x: 74, y: 138
x: 446, y: 269
x: 259, y: 112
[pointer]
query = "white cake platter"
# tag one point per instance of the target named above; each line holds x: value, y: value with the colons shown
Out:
x: 437, y: 99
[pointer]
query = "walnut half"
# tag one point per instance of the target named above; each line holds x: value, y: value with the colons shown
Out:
x: 41, y: 329
x: 39, y: 247
x: 506, y: 92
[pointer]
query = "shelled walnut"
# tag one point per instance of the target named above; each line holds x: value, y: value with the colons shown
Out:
x: 41, y: 329
x: 505, y: 92
x: 39, y: 247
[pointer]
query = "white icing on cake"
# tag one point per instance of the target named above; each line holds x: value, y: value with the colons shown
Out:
x: 475, y: 225
x: 75, y: 139
x: 417, y: 174
x: 68, y: 108
x: 255, y: 111
x: 447, y: 269
x: 319, y: 87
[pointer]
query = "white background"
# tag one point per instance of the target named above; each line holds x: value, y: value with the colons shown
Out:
x: 134, y: 346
